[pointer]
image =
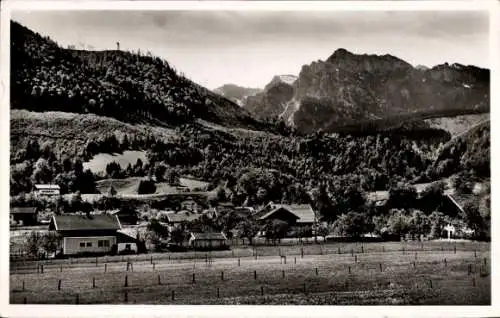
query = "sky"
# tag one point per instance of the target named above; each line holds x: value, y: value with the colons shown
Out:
x: 248, y: 48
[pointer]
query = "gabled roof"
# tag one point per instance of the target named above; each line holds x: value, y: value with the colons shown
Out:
x: 76, y: 222
x: 23, y: 210
x: 209, y: 236
x: 303, y: 212
x: 124, y: 212
x: 181, y: 216
x: 47, y: 186
x: 122, y: 237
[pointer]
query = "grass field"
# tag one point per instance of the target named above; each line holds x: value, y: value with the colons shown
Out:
x: 431, y: 273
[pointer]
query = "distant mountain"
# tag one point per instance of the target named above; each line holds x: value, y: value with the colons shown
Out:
x: 237, y: 94
x: 131, y: 87
x: 348, y: 89
x: 270, y: 103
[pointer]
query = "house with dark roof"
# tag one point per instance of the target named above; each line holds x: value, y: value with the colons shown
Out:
x: 23, y: 215
x: 126, y: 243
x: 208, y: 241
x: 293, y: 214
x: 86, y: 234
x: 189, y: 204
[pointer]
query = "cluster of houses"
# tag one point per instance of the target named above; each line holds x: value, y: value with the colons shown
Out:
x: 104, y: 233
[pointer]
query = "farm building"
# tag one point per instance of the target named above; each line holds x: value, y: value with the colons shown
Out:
x: 126, y: 244
x: 293, y: 214
x: 127, y: 215
x: 23, y: 215
x: 82, y: 234
x: 175, y: 218
x: 208, y: 241
x: 46, y: 190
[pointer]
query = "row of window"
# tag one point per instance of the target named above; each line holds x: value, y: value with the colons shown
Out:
x: 100, y: 243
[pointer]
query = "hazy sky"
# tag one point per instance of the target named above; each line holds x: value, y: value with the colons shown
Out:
x: 248, y: 48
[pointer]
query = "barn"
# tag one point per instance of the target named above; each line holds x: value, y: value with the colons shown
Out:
x: 86, y: 234
x: 293, y: 214
x: 208, y: 241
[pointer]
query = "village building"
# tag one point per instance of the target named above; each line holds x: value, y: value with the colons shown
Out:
x: 41, y: 190
x: 23, y: 215
x: 126, y: 244
x: 208, y: 241
x: 127, y: 215
x: 189, y: 205
x: 295, y: 215
x: 86, y: 234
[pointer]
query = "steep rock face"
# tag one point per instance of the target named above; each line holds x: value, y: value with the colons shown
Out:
x: 237, y: 94
x: 348, y: 88
x: 271, y: 103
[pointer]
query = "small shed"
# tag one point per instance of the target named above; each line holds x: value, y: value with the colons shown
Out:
x: 126, y: 243
x: 208, y: 241
x: 23, y: 215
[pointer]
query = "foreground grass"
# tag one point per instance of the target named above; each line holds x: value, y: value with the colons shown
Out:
x: 373, y: 277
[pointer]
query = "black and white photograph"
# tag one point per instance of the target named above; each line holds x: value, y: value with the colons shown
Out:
x: 230, y: 156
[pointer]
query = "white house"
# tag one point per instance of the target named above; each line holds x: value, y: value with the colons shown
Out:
x: 46, y: 189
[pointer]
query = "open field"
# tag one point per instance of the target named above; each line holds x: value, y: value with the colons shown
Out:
x: 99, y: 162
x: 444, y: 273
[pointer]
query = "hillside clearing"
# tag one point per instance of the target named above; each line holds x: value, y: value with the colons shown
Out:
x: 99, y: 162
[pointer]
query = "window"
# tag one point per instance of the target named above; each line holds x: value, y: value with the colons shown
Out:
x: 89, y: 244
x: 127, y: 246
x: 82, y: 244
x: 103, y: 243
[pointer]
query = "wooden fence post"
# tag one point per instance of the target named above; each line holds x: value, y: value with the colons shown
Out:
x: 126, y: 297
x: 283, y: 273
x: 430, y: 281
x: 262, y: 290
x: 222, y: 275
x: 475, y: 255
x: 352, y: 252
x: 445, y: 262
x: 105, y: 267
x: 25, y: 301
x: 239, y: 262
x: 414, y: 265
x: 23, y: 285
x: 455, y: 249
x: 338, y: 250
x: 151, y: 260
x: 218, y: 292
x: 355, y: 258
x: 295, y: 260
x: 484, y: 263
x: 254, y: 274
x: 474, y: 281
x: 173, y: 295
x: 380, y: 265
x: 349, y: 269
x: 41, y: 267
x: 126, y: 281
x: 77, y: 299
x: 59, y: 285
x: 316, y: 271
x: 301, y: 252
x: 305, y: 288
x: 93, y: 282
x: 194, y: 278
x: 362, y: 249
x: 159, y: 280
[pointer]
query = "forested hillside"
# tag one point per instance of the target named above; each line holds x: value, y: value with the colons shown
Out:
x: 131, y: 87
